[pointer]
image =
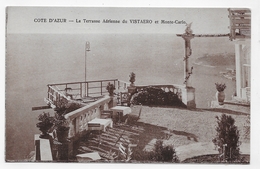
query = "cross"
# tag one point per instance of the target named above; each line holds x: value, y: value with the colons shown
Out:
x: 187, y: 36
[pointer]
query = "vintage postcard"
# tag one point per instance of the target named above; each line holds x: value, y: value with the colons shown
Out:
x: 128, y: 84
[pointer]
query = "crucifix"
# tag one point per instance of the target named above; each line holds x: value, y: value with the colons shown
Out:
x: 188, y: 92
x: 187, y: 36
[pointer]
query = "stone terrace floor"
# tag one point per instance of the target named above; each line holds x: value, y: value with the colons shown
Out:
x: 189, y: 131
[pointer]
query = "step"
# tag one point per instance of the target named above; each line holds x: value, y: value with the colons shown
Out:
x: 231, y: 106
x: 125, y: 132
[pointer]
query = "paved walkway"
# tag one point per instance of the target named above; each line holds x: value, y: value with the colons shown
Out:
x: 203, y: 148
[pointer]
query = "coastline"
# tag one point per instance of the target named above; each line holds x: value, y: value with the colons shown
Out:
x: 224, y: 61
x: 200, y: 64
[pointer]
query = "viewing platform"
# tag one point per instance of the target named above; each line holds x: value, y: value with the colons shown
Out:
x: 82, y: 92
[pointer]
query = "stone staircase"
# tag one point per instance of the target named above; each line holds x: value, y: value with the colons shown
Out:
x: 107, y: 143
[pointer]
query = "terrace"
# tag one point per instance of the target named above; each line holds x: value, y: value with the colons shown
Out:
x: 94, y: 101
x: 186, y: 129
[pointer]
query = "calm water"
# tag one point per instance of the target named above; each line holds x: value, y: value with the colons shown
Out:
x: 33, y: 61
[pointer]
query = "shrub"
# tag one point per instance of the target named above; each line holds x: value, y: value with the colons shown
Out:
x: 220, y: 87
x: 156, y: 96
x: 227, y: 138
x: 64, y: 107
x: 132, y: 77
x: 163, y: 153
x: 160, y: 153
x: 110, y: 88
x: 45, y: 123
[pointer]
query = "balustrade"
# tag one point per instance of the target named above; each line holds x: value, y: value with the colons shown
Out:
x: 78, y: 119
x: 176, y: 89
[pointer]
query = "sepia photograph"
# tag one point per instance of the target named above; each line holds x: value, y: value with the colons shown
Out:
x: 128, y: 85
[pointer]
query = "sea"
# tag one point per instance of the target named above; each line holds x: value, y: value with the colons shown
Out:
x: 35, y: 60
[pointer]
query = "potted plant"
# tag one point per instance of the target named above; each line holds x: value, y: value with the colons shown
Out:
x: 220, y: 95
x: 132, y: 78
x: 45, y: 124
x: 61, y: 127
x: 60, y: 123
x: 110, y: 88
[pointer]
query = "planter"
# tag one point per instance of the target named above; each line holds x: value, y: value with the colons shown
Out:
x: 132, y: 78
x: 44, y: 133
x: 44, y: 129
x: 110, y: 88
x: 46, y: 122
x: 62, y: 134
x: 220, y: 96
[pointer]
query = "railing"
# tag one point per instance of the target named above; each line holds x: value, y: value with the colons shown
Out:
x: 81, y: 91
x: 78, y: 119
x: 240, y: 23
x: 176, y: 89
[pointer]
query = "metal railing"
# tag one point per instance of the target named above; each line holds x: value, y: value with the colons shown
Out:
x: 82, y: 91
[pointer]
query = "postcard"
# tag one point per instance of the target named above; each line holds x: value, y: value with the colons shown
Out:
x: 128, y: 85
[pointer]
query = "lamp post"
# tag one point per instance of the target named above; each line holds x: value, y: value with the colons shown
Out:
x: 87, y: 49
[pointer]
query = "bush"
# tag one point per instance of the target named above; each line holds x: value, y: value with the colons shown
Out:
x: 227, y: 138
x: 156, y: 96
x: 64, y: 107
x: 160, y: 153
x: 164, y: 153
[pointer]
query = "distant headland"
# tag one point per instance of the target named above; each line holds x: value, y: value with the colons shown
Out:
x: 226, y: 60
x: 214, y: 60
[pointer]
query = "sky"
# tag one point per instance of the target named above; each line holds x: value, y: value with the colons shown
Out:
x: 26, y: 20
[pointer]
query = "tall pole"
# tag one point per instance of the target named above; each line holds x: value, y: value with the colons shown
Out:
x: 87, y: 48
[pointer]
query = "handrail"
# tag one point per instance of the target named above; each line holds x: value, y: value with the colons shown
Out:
x: 78, y: 119
x: 160, y: 85
x: 93, y: 81
x: 58, y: 92
x: 92, y: 105
x: 89, y: 88
x: 123, y: 81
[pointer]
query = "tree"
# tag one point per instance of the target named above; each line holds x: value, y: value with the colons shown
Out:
x: 227, y: 138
